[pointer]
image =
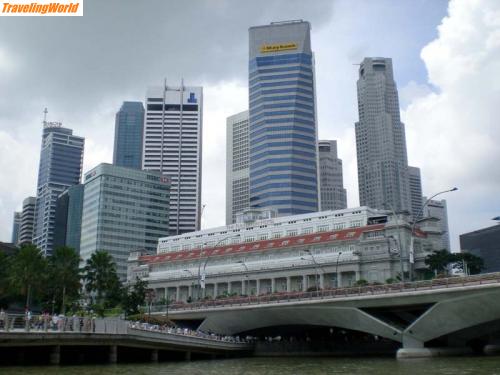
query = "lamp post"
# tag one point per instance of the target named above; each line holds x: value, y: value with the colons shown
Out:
x: 246, y: 275
x: 316, y: 266
x: 337, y: 270
x: 400, y: 248
x: 411, y: 258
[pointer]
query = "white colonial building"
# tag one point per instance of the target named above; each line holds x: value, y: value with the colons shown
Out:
x: 258, y: 256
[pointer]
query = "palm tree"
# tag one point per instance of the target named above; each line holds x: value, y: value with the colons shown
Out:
x: 28, y: 270
x: 100, y: 275
x: 64, y: 272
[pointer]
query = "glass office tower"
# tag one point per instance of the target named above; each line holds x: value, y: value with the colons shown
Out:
x: 129, y: 125
x: 283, y: 131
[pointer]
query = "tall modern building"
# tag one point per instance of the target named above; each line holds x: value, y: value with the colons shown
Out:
x: 172, y: 146
x: 237, y: 166
x: 415, y: 182
x: 68, y: 219
x: 129, y: 129
x: 283, y: 131
x: 124, y: 209
x: 484, y: 243
x: 380, y: 139
x: 439, y: 209
x: 27, y: 221
x: 16, y: 227
x: 333, y: 194
x: 61, y: 160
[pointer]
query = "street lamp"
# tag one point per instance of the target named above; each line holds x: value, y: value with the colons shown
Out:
x: 412, y: 260
x: 337, y: 270
x: 400, y: 248
x: 316, y: 266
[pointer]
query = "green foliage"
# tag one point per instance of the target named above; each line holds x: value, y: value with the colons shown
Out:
x: 101, y: 278
x: 473, y: 263
x: 361, y: 282
x: 134, y: 297
x: 441, y: 260
x: 28, y: 272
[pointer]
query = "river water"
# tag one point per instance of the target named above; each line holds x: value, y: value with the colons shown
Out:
x: 281, y: 366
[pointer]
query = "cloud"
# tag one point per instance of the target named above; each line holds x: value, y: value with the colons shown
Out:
x: 453, y: 134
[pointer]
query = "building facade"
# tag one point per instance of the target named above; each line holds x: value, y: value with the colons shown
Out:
x: 283, y: 129
x: 68, y: 220
x: 237, y: 166
x: 129, y: 130
x: 295, y: 253
x: 61, y: 161
x: 27, y: 221
x: 333, y: 194
x: 124, y: 209
x: 16, y: 227
x: 380, y: 139
x: 438, y: 209
x: 484, y: 243
x: 416, y: 197
x: 172, y: 146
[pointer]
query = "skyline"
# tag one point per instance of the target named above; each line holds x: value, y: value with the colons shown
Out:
x: 448, y: 86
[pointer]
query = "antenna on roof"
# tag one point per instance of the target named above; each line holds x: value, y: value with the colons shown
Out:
x: 44, y: 122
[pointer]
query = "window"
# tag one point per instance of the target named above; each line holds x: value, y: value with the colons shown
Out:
x: 307, y: 230
x: 323, y: 228
x: 276, y: 235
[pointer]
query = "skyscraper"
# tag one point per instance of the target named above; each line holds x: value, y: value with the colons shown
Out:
x: 415, y: 192
x: 333, y: 194
x: 283, y: 132
x: 172, y: 146
x: 129, y: 125
x: 61, y: 160
x: 438, y: 208
x: 16, y: 226
x: 237, y: 166
x: 124, y: 209
x: 27, y: 220
x: 380, y: 139
x: 68, y: 221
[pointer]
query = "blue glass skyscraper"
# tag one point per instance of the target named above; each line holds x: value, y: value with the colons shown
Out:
x: 60, y: 167
x: 129, y: 125
x: 283, y: 132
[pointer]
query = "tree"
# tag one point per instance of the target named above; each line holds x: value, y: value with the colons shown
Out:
x: 473, y: 263
x: 101, y: 278
x: 135, y: 296
x: 27, y: 271
x: 64, y: 274
x: 439, y: 260
x: 4, y: 276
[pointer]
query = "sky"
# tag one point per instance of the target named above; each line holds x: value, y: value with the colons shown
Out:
x: 446, y: 58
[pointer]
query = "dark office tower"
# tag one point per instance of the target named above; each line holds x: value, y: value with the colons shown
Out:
x: 282, y: 124
x: 68, y: 221
x: 16, y: 227
x: 415, y: 192
x: 61, y: 160
x: 129, y: 125
x: 27, y: 220
x: 333, y: 194
x: 380, y: 139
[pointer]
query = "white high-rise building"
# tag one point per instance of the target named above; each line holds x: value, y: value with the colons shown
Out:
x: 27, y: 221
x: 438, y: 208
x: 415, y: 192
x: 380, y: 139
x: 333, y: 194
x: 172, y: 146
x: 237, y: 166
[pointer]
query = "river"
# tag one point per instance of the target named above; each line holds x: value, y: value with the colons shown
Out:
x: 281, y: 366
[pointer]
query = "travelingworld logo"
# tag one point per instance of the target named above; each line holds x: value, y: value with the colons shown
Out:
x: 21, y: 8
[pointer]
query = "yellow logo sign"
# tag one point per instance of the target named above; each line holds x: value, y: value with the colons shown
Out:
x: 278, y: 47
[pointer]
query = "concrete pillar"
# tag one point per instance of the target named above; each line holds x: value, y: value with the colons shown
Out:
x: 229, y: 287
x: 273, y: 285
x: 339, y: 279
x: 154, y: 355
x: 257, y: 292
x: 322, y: 281
x: 243, y: 287
x: 358, y: 275
x: 113, y: 354
x: 187, y: 356
x: 55, y: 355
x: 216, y: 290
x: 190, y: 291
x: 304, y: 283
x: 288, y: 284
x: 178, y: 293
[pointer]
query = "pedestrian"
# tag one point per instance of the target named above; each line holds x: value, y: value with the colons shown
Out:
x: 2, y: 319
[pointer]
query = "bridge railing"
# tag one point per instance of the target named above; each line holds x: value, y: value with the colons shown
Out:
x: 280, y: 297
x: 44, y: 323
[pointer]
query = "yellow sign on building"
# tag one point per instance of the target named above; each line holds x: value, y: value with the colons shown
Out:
x: 278, y: 47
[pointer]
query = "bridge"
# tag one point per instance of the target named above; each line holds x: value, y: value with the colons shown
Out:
x: 449, y: 312
x: 111, y: 340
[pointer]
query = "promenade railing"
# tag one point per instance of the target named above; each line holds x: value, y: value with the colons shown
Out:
x: 331, y: 293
